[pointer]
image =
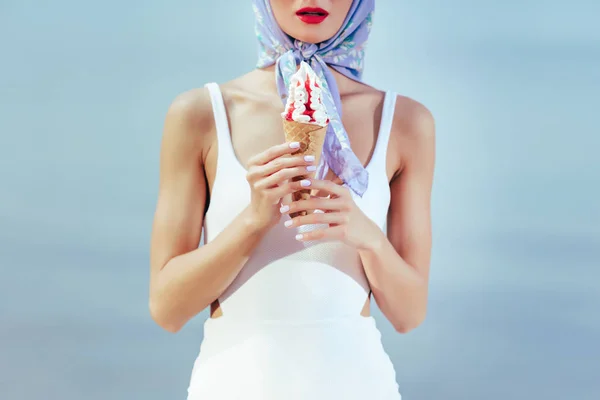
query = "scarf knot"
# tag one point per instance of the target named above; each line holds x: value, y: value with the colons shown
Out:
x: 305, y: 50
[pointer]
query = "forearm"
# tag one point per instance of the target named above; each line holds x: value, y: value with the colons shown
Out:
x: 189, y: 283
x: 398, y: 288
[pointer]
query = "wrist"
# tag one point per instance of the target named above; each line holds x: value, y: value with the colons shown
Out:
x: 374, y: 242
x: 252, y: 224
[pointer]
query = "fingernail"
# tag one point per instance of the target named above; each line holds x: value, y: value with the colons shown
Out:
x: 304, y: 182
x: 284, y: 209
x: 294, y: 145
x: 309, y: 158
x: 311, y: 168
x: 299, y: 236
x: 288, y: 223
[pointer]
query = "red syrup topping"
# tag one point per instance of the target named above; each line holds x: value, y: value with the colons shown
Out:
x: 309, y: 111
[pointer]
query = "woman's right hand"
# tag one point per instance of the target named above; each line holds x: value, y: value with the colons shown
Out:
x: 269, y: 175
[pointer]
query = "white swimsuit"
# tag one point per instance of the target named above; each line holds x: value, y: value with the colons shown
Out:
x: 291, y: 325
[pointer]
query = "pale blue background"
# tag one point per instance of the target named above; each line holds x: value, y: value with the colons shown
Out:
x: 514, y: 86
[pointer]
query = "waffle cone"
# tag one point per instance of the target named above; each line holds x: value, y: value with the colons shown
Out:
x: 311, y: 138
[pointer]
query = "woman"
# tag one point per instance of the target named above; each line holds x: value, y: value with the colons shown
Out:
x: 290, y: 297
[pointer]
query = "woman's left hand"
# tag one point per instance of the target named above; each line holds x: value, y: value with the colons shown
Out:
x: 346, y: 222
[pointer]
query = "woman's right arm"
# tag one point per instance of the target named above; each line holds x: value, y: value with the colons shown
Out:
x: 185, y: 279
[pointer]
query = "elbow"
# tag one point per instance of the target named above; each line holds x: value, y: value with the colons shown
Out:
x: 406, y: 325
x: 163, y: 317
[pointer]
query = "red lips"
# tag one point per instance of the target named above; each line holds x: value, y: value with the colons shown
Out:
x: 310, y: 15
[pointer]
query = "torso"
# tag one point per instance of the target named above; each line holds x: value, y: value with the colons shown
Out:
x: 301, y: 301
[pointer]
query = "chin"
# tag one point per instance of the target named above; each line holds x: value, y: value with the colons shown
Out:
x: 310, y: 38
x: 312, y: 34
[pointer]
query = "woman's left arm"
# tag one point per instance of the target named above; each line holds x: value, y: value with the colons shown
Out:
x: 396, y: 265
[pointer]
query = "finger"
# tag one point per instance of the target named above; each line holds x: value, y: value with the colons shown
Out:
x: 331, y: 233
x: 273, y: 152
x: 318, y: 218
x: 283, y: 175
x: 326, y: 186
x: 272, y: 167
x: 315, y: 203
x: 280, y: 163
x: 280, y: 191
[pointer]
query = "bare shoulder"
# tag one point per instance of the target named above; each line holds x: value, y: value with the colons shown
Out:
x: 189, y: 120
x: 412, y: 119
x: 413, y: 132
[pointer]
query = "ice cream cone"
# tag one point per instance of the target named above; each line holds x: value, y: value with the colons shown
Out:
x: 311, y: 138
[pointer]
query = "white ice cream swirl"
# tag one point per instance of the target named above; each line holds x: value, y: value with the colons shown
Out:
x: 298, y: 97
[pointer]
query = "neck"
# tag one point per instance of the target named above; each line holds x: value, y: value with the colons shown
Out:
x: 345, y: 85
